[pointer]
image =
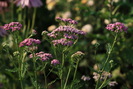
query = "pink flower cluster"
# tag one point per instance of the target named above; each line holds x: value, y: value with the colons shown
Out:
x: 55, y: 62
x: 65, y: 35
x: 13, y: 26
x: 68, y: 29
x: 70, y: 36
x: 29, y: 42
x: 29, y: 3
x: 117, y: 27
x: 42, y: 56
x: 62, y: 41
x: 67, y: 20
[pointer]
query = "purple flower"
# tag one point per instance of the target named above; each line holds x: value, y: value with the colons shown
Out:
x: 55, y: 62
x: 62, y: 41
x: 113, y: 83
x: 117, y: 27
x: 66, y: 20
x: 43, y: 56
x: 85, y: 78
x: 29, y: 42
x: 29, y: 3
x: 13, y: 26
x: 2, y: 31
x: 68, y: 29
x: 70, y: 36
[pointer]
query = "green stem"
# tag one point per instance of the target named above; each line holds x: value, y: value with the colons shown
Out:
x: 67, y: 77
x: 107, y: 59
x: 75, y: 72
x: 35, y: 73
x: 33, y: 18
x: 45, y: 77
x: 63, y: 58
x: 102, y: 83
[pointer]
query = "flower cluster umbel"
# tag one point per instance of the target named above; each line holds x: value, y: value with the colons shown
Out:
x: 13, y: 26
x: 29, y: 42
x: 117, y: 27
x: 65, y: 35
x: 42, y: 56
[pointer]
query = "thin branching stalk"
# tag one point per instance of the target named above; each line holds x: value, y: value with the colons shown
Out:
x: 107, y: 59
x: 68, y: 74
x: 35, y: 72
x: 33, y: 18
x: 75, y: 72
x: 45, y: 76
x: 62, y: 65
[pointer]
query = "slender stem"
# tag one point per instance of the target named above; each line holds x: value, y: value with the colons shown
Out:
x: 35, y: 73
x: 102, y: 83
x: 67, y: 77
x: 63, y: 58
x: 33, y: 18
x: 45, y: 77
x: 75, y: 72
x: 107, y: 59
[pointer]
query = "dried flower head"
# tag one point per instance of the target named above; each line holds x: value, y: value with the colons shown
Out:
x: 117, y: 27
x: 104, y: 75
x: 78, y: 54
x: 112, y: 83
x: 13, y: 26
x: 55, y: 62
x: 85, y: 78
x: 29, y: 42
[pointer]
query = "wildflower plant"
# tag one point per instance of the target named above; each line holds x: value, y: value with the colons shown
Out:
x: 34, y: 67
x: 62, y: 39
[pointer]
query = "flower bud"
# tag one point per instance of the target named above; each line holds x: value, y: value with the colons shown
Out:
x: 16, y: 53
x: 78, y: 55
x: 44, y: 32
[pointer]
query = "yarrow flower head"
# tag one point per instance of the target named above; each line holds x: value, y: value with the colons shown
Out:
x: 29, y: 3
x: 78, y: 54
x: 103, y: 76
x: 62, y: 41
x: 85, y: 78
x: 112, y: 83
x: 65, y: 35
x: 117, y: 27
x: 13, y: 26
x: 29, y: 42
x: 70, y: 21
x: 42, y: 56
x: 55, y: 62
